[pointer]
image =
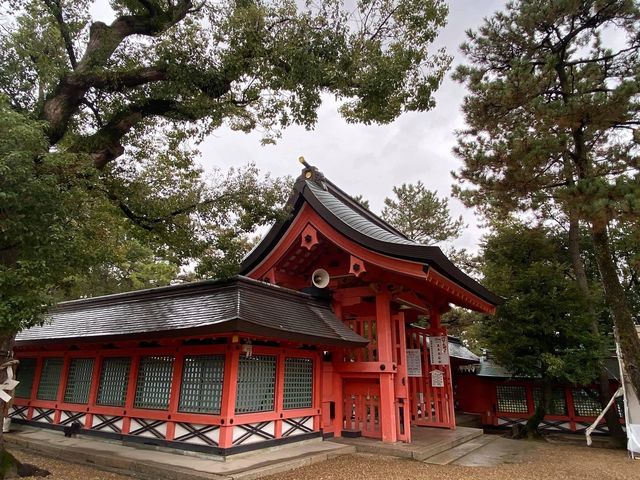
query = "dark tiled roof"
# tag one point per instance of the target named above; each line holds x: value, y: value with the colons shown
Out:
x: 357, y: 223
x: 238, y: 305
x: 459, y: 351
x: 489, y: 368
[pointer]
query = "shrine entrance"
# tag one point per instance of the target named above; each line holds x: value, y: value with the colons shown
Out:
x: 429, y: 375
x: 362, y: 407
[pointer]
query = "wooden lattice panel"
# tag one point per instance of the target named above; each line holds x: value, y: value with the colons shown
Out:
x: 256, y: 384
x: 26, y: 372
x: 298, y: 383
x: 201, y: 386
x: 114, y: 378
x: 50, y: 378
x: 512, y: 399
x: 154, y: 382
x: 79, y: 380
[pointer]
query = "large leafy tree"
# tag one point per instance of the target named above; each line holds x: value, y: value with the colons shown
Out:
x: 553, y: 119
x: 100, y: 118
x: 542, y: 330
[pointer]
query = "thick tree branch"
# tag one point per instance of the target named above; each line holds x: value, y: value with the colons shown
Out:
x: 104, y: 39
x: 118, y: 81
x: 56, y: 10
x: 105, y: 145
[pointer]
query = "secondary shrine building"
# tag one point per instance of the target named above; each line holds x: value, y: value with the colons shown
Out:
x: 227, y: 366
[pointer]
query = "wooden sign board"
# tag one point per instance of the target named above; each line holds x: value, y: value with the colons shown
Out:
x: 439, y: 350
x: 437, y: 378
x: 414, y: 362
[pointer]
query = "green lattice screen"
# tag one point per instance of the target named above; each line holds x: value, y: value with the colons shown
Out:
x: 298, y: 383
x: 585, y: 403
x: 512, y: 399
x: 79, y: 380
x: 114, y: 379
x: 256, y: 384
x: 26, y: 372
x: 201, y: 387
x: 50, y: 379
x: 154, y: 382
x: 558, y: 404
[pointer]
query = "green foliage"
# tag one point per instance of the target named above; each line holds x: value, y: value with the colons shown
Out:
x: 543, y: 329
x: 421, y: 215
x: 44, y: 206
x: 361, y: 200
x: 553, y: 110
x: 553, y: 116
x: 101, y: 189
x: 64, y: 236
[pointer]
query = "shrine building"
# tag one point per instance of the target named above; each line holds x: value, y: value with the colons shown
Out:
x: 317, y: 337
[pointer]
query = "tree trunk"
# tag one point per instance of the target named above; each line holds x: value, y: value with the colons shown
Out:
x: 8, y: 464
x: 625, y: 328
x: 617, y: 437
x: 533, y: 422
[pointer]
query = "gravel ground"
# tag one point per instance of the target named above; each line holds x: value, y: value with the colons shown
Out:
x: 549, y: 462
x: 63, y: 470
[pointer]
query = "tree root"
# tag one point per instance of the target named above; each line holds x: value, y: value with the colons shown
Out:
x: 11, y: 467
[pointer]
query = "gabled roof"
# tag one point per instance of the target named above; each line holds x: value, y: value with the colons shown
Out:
x: 357, y: 223
x: 238, y: 305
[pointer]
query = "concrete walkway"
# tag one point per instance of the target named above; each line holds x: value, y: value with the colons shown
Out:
x: 163, y: 465
x: 498, y: 451
x: 425, y: 442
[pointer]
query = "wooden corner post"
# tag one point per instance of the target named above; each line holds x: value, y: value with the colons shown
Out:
x: 387, y: 376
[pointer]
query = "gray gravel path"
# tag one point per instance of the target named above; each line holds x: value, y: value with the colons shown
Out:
x: 546, y: 462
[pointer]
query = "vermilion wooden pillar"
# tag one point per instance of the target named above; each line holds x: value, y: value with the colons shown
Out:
x: 93, y: 390
x: 279, y: 388
x: 131, y: 392
x: 337, y: 360
x: 64, y: 376
x: 174, y: 398
x: 229, y: 391
x: 402, y: 381
x: 36, y: 382
x: 317, y: 391
x: 385, y: 356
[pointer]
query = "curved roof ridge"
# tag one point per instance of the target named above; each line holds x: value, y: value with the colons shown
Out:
x: 360, y: 225
x: 359, y: 208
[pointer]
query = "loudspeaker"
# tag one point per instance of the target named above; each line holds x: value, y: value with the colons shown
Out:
x: 320, y: 278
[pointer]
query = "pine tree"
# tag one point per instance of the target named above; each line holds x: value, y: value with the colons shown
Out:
x: 553, y: 113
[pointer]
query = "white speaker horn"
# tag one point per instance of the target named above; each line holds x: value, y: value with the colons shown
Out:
x: 320, y: 278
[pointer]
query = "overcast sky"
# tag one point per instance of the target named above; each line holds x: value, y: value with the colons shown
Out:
x: 369, y: 160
